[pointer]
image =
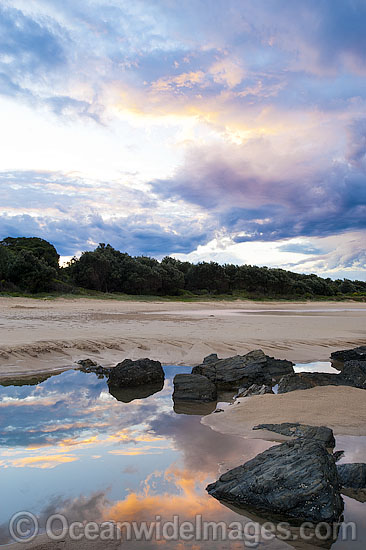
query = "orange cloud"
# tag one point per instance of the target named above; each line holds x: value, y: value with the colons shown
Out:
x: 50, y: 461
x: 145, y: 505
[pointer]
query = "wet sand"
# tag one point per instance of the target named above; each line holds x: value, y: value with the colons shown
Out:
x: 341, y: 408
x: 45, y: 335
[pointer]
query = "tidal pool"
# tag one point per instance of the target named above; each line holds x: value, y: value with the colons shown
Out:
x: 68, y: 446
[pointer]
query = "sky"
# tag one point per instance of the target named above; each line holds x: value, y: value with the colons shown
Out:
x: 223, y: 130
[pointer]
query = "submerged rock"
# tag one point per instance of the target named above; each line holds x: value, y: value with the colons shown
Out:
x: 254, y: 389
x: 358, y: 354
x: 243, y: 370
x: 352, y: 475
x: 295, y: 429
x: 130, y: 373
x: 295, y: 480
x: 193, y: 387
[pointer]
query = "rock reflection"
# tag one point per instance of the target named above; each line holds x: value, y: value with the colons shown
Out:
x: 126, y: 395
x: 323, y: 536
x: 194, y: 407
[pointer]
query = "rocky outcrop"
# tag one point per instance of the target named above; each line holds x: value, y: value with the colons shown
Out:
x: 241, y: 371
x: 295, y: 429
x: 142, y: 372
x: 307, y: 380
x: 354, y: 354
x: 353, y: 374
x: 254, y: 389
x: 296, y: 480
x: 193, y: 387
x: 352, y: 476
x: 88, y: 365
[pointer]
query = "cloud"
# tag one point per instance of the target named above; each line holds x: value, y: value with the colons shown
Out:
x: 260, y: 192
x: 76, y: 214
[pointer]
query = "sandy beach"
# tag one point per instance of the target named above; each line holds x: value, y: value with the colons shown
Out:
x: 340, y: 408
x: 45, y: 335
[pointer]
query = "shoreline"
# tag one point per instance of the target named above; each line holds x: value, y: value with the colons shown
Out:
x: 41, y: 336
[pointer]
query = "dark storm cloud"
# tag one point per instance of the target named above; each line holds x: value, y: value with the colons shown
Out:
x: 318, y: 202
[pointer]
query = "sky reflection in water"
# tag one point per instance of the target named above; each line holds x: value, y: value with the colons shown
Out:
x: 67, y: 444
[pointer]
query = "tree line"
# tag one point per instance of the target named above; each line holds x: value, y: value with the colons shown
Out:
x: 32, y: 265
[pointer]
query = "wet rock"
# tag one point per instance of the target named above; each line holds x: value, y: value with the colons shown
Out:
x: 254, y: 389
x: 358, y: 354
x: 308, y: 380
x: 352, y: 476
x: 210, y: 358
x: 337, y: 455
x: 243, y: 370
x: 295, y: 429
x: 88, y: 365
x: 130, y: 373
x: 194, y: 387
x: 353, y: 375
x: 296, y: 480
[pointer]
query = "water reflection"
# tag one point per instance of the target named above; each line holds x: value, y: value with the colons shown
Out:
x: 68, y: 445
x: 126, y: 395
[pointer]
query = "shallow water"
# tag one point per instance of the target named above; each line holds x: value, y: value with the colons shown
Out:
x: 67, y: 445
x: 316, y: 366
x: 247, y: 311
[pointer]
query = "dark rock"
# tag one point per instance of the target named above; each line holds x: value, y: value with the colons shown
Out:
x: 243, y: 370
x: 356, y: 494
x: 254, y: 389
x: 87, y: 363
x: 294, y: 429
x: 308, y: 380
x: 337, y: 455
x: 194, y: 387
x: 130, y: 373
x: 126, y: 395
x: 296, y: 480
x: 353, y: 375
x: 219, y: 411
x: 210, y: 358
x: 358, y: 354
x: 352, y: 476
